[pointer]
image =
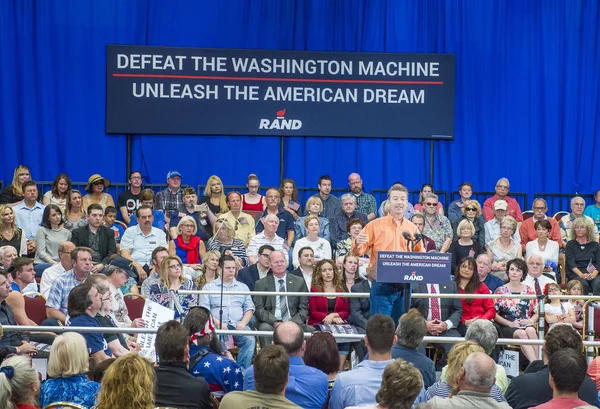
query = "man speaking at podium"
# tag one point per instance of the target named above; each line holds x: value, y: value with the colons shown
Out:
x: 387, y: 233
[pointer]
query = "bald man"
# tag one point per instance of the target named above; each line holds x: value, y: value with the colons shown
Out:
x: 365, y: 203
x: 309, y: 388
x: 285, y: 229
x: 267, y: 236
x: 475, y: 380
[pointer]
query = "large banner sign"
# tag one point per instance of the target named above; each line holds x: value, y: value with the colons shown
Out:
x: 405, y: 267
x: 188, y: 91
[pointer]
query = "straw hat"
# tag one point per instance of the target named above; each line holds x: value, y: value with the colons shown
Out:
x: 94, y: 178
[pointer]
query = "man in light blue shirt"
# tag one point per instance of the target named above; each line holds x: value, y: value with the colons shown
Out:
x: 138, y: 242
x: 29, y: 213
x: 360, y: 385
x: 593, y: 210
x: 237, y: 309
x: 307, y: 386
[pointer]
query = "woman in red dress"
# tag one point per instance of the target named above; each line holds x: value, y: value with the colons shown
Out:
x: 467, y: 281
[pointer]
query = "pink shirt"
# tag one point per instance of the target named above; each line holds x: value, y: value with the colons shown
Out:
x: 514, y: 209
x: 562, y: 403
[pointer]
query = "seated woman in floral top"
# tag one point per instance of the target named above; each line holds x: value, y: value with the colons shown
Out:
x: 67, y: 366
x: 170, y: 280
x: 517, y: 317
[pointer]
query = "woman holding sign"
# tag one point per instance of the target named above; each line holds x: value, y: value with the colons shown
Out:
x: 164, y: 291
x: 517, y: 317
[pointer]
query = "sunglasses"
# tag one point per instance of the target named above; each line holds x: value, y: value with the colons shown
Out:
x: 99, y: 182
x: 470, y: 209
x: 430, y: 204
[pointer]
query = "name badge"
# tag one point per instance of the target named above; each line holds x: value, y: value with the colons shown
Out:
x: 203, y: 222
x: 243, y: 220
x: 152, y: 242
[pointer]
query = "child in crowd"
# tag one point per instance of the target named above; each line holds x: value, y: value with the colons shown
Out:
x: 575, y: 288
x: 558, y: 311
x: 110, y: 218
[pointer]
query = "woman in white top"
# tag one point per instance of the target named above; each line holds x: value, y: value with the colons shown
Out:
x: 321, y: 247
x: 556, y: 310
x: 59, y: 192
x: 504, y: 248
x: 543, y: 246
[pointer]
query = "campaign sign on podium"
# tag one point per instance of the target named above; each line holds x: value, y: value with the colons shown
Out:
x: 407, y: 267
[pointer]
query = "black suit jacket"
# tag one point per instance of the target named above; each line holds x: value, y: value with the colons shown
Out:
x: 174, y: 384
x: 108, y: 246
x: 249, y: 276
x: 450, y: 308
x: 265, y: 304
x: 360, y: 308
x: 532, y: 389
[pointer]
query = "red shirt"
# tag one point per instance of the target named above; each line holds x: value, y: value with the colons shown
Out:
x: 318, y: 308
x: 483, y: 308
x: 514, y: 209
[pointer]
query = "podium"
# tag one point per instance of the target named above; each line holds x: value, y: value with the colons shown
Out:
x: 402, y: 269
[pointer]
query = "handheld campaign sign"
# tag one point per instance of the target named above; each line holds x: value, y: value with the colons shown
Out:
x: 406, y: 267
x: 154, y: 316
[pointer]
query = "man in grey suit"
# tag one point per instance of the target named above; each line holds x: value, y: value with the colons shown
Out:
x: 273, y: 310
x: 442, y: 314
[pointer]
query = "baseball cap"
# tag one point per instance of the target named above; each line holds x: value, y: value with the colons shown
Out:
x: 173, y: 174
x: 500, y: 205
x: 189, y: 191
x: 125, y: 265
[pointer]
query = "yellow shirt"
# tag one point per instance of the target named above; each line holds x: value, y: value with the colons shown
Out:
x: 244, y: 226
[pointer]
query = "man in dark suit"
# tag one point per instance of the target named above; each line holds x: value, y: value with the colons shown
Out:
x: 251, y: 274
x: 360, y: 308
x: 97, y: 237
x: 442, y: 314
x: 272, y: 311
x: 306, y: 256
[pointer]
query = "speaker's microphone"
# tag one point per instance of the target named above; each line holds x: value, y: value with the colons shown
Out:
x: 407, y: 236
x: 418, y: 237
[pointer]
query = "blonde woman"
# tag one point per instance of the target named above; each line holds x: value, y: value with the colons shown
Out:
x: 471, y: 211
x: 210, y: 269
x: 214, y: 196
x: 314, y: 207
x: 321, y: 247
x: 187, y: 246
x: 171, y: 280
x: 225, y: 243
x: 19, y: 384
x: 457, y: 356
x: 129, y: 383
x: 68, y: 364
x: 582, y: 254
x: 10, y: 234
x: 13, y: 193
x: 504, y: 248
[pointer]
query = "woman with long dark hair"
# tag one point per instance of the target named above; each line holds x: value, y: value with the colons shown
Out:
x: 48, y: 237
x: 59, y: 192
x: 467, y: 282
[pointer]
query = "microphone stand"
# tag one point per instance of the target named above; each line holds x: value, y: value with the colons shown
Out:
x: 175, y: 304
x: 221, y: 305
x: 407, y: 291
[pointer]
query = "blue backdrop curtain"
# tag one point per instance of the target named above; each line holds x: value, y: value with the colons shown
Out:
x: 527, y: 89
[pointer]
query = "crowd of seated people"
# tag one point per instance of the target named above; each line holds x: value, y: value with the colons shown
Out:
x: 213, y: 243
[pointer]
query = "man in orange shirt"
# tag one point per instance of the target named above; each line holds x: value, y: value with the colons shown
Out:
x: 385, y: 233
x: 527, y: 229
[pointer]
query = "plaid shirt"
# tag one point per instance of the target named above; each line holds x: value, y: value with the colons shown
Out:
x: 168, y: 202
x: 58, y: 297
x: 366, y: 203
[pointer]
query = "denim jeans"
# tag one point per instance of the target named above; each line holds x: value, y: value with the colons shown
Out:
x: 247, y: 345
x: 387, y: 299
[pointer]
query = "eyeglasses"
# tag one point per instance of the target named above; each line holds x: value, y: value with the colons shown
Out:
x: 191, y: 226
x: 578, y: 204
x: 470, y: 209
x: 539, y: 208
x: 430, y: 204
x: 174, y: 266
x: 502, y: 186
